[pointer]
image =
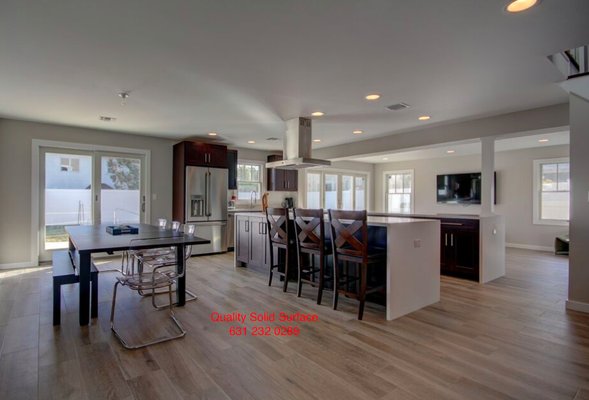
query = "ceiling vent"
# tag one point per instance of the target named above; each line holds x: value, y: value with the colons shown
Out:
x: 107, y: 119
x: 398, y: 106
x: 272, y: 139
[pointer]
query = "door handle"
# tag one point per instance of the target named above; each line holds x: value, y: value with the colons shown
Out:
x: 452, y: 239
x: 247, y: 226
x: 445, y: 239
x: 209, y: 193
x: 143, y: 204
x: 259, y: 228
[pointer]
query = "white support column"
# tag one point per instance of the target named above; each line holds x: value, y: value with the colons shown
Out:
x: 488, y: 176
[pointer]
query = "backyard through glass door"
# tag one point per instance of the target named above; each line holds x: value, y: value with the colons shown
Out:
x: 81, y: 188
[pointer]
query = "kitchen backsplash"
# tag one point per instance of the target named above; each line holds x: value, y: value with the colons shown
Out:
x: 275, y: 199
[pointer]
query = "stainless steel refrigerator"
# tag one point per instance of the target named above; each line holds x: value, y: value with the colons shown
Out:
x: 206, y: 207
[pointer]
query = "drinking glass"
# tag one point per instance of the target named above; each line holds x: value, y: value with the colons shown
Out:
x: 190, y: 229
x: 162, y: 223
x: 175, y: 226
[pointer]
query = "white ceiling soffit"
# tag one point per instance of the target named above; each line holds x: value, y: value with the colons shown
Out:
x: 242, y: 68
x: 463, y: 149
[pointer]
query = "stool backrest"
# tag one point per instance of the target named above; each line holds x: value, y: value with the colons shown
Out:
x: 349, y: 233
x: 278, y: 221
x: 309, y: 228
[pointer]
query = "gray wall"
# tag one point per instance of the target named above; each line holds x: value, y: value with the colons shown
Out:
x: 579, y: 255
x: 15, y: 176
x: 514, y: 190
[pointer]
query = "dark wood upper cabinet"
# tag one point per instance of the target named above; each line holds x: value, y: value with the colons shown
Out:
x: 232, y: 165
x: 281, y: 180
x: 204, y: 154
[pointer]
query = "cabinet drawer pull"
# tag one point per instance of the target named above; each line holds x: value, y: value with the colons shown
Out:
x: 452, y: 239
x: 452, y: 223
x: 445, y: 239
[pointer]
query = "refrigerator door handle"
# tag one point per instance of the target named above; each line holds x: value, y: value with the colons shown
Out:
x: 209, y: 213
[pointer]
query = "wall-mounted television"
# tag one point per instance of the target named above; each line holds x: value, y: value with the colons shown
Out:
x: 461, y: 188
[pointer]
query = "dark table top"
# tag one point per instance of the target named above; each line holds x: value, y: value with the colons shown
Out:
x: 94, y: 238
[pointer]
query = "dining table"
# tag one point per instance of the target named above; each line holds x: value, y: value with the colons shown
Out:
x: 85, y: 240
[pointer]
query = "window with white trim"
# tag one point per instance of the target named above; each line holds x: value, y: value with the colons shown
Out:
x: 249, y: 179
x: 399, y: 191
x: 336, y: 190
x: 551, y: 205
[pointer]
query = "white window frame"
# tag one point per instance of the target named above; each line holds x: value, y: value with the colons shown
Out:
x: 339, y: 173
x: 385, y: 175
x: 263, y: 173
x: 537, y: 193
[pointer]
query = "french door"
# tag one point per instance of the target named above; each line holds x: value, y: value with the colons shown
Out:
x: 85, y: 187
x: 336, y: 190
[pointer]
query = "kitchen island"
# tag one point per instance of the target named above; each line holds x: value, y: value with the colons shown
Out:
x: 413, y: 256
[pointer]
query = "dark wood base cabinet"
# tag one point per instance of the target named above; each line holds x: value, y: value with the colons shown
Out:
x: 251, y: 242
x: 460, y: 248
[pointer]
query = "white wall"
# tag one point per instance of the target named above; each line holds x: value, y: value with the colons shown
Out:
x: 15, y: 177
x: 514, y: 190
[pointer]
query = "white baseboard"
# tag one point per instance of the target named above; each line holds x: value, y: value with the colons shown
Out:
x: 577, y: 306
x: 530, y: 247
x: 24, y: 264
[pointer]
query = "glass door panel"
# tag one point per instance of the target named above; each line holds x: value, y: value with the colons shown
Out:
x: 330, y: 191
x: 347, y: 192
x: 67, y: 196
x: 360, y: 193
x: 313, y: 190
x: 120, y: 189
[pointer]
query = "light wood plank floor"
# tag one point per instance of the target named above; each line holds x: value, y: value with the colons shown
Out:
x: 510, y: 339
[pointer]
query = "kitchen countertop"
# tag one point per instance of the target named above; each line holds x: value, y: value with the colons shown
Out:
x: 244, y: 210
x: 434, y: 216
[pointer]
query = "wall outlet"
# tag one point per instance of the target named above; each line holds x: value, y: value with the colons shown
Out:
x: 417, y: 243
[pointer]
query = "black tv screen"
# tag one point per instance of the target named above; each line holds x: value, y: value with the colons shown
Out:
x: 461, y: 188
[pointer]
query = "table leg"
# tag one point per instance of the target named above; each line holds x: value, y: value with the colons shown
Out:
x: 181, y: 284
x: 84, y: 271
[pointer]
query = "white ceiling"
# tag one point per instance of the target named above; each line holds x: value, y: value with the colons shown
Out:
x: 241, y: 68
x: 464, y: 149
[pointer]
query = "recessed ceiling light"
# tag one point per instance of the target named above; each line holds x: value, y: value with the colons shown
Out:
x: 520, y: 5
x: 251, y: 142
x: 543, y: 140
x: 212, y: 133
x: 424, y: 118
x: 385, y: 158
x: 358, y: 132
x: 450, y: 151
x: 317, y: 114
x: 107, y: 119
x: 316, y: 140
x: 373, y: 96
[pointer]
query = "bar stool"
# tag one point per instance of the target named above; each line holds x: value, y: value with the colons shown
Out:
x: 349, y: 240
x: 310, y: 239
x: 278, y: 235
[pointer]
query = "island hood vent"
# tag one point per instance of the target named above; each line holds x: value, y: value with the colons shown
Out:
x: 297, y: 147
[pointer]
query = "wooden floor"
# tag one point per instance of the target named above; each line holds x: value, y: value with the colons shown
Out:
x: 510, y: 339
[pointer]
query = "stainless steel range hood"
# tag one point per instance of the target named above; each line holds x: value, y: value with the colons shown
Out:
x: 297, y: 147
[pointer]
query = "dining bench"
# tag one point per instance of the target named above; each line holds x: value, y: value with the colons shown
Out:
x: 64, y: 273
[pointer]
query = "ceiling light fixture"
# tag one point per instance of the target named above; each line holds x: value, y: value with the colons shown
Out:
x: 424, y: 118
x: 385, y: 158
x: 251, y: 142
x: 451, y: 151
x: 358, y: 132
x: 517, y: 6
x: 317, y: 114
x: 124, y: 96
x: 212, y: 133
x: 373, y: 96
x: 316, y: 140
x: 543, y: 140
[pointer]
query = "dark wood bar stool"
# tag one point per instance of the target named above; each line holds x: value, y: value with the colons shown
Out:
x: 278, y: 234
x: 310, y: 239
x: 349, y: 239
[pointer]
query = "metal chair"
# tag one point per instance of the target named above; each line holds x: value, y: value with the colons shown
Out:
x: 349, y: 241
x: 278, y: 235
x: 310, y: 239
x: 146, y: 281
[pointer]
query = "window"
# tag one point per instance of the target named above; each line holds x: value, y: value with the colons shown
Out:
x: 249, y: 179
x: 67, y: 164
x: 336, y: 190
x: 398, y: 192
x: 551, y: 191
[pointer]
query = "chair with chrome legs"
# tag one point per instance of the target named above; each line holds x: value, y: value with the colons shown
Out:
x: 162, y: 262
x: 140, y: 279
x: 310, y: 239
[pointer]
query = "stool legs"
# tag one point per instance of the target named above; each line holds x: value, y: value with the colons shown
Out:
x: 362, y: 294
